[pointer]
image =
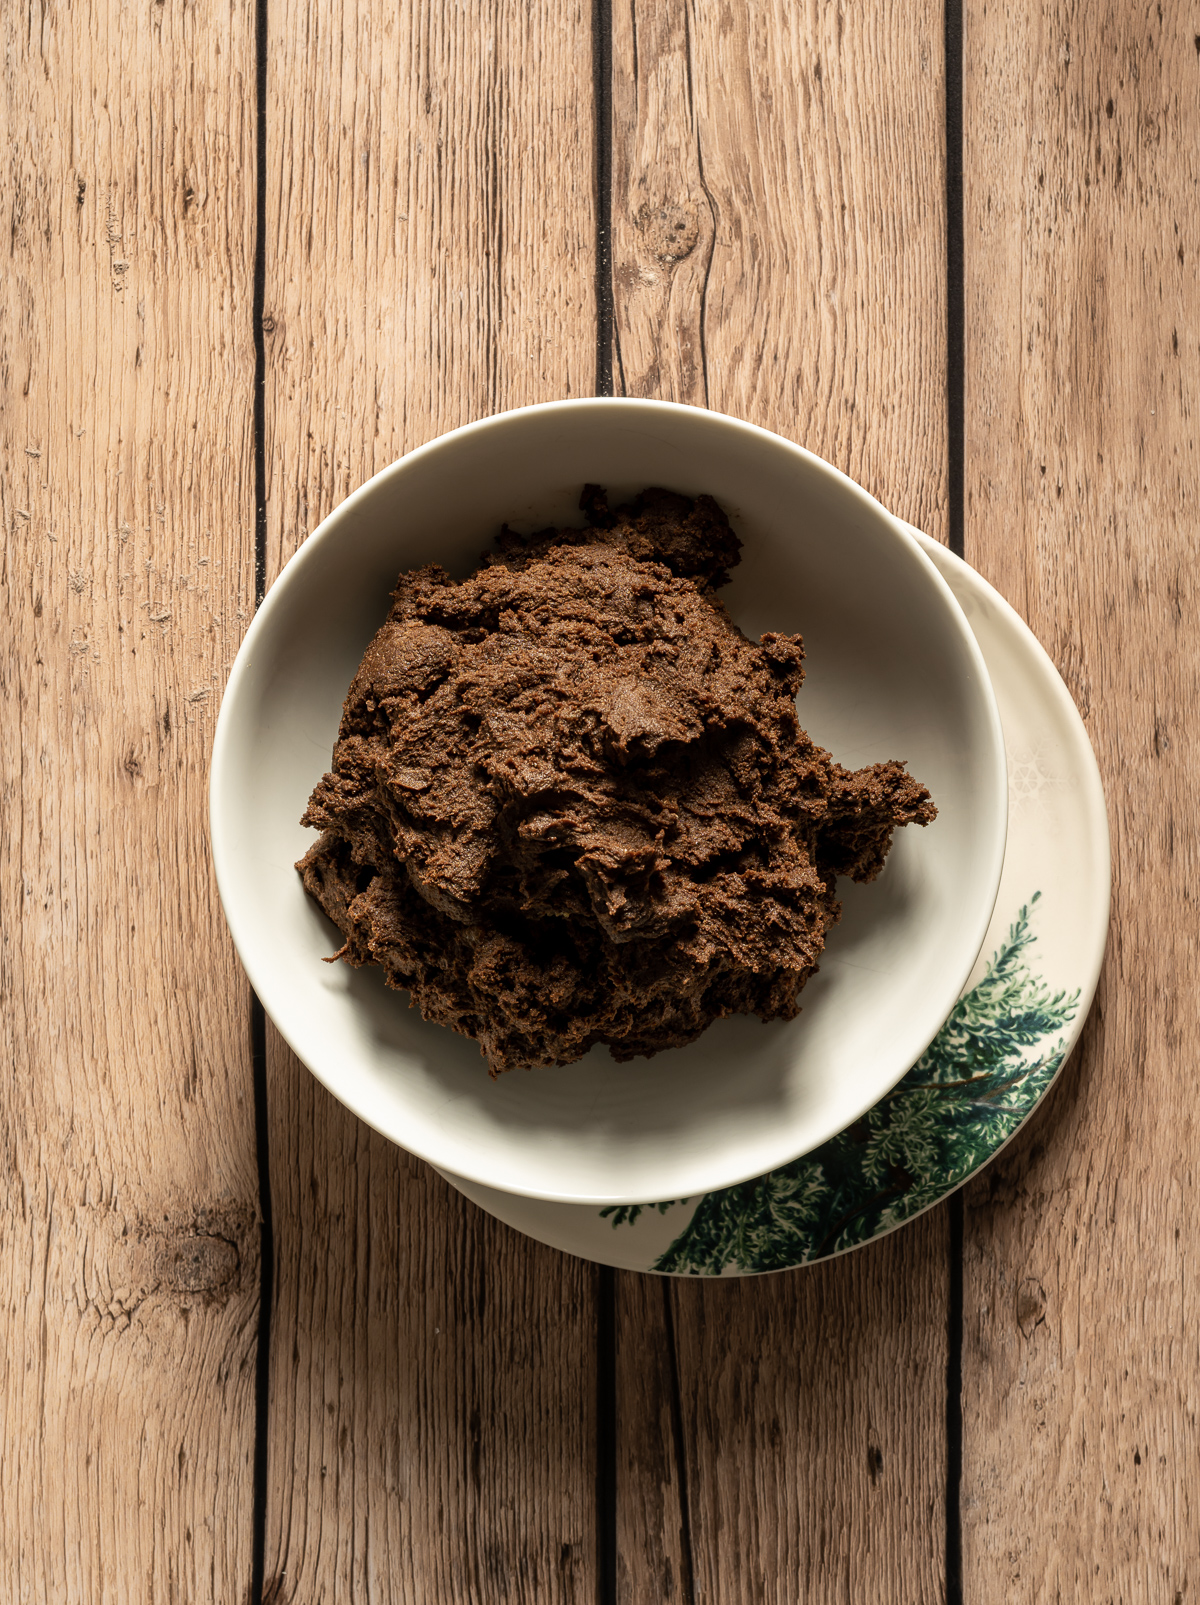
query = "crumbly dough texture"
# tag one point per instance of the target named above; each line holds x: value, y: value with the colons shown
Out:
x: 571, y: 803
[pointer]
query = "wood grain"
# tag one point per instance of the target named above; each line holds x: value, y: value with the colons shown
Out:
x: 432, y: 1400
x: 783, y: 1437
x: 662, y: 213
x: 797, y: 151
x: 430, y: 233
x: 430, y: 259
x: 779, y: 244
x: 779, y: 253
x: 1083, y: 478
x: 129, y: 1269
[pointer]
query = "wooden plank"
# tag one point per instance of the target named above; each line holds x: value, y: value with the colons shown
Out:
x: 1083, y: 330
x: 784, y: 1437
x: 430, y: 233
x: 798, y: 150
x: 430, y: 260
x: 432, y: 1399
x: 130, y: 1264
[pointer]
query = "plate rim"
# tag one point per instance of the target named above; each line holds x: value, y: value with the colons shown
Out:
x: 1092, y: 803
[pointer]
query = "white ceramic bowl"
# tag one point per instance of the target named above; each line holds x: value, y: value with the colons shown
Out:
x: 892, y: 671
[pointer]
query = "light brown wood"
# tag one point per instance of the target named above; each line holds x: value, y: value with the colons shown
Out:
x: 783, y: 1437
x: 654, y: 1506
x: 798, y: 150
x: 432, y: 1399
x: 662, y: 214
x: 789, y: 1441
x: 1081, y: 1354
x: 779, y: 253
x: 130, y: 1242
x: 430, y: 259
x: 430, y: 233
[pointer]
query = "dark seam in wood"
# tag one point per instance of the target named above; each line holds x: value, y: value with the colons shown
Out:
x: 606, y: 1334
x: 606, y: 1436
x: 636, y: 70
x: 622, y: 387
x: 266, y: 1285
x: 712, y: 205
x: 258, y: 1019
x: 687, y: 1581
x: 259, y: 309
x: 602, y: 32
x: 495, y: 293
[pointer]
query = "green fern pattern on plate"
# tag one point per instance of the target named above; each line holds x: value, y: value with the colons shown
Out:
x: 973, y: 1086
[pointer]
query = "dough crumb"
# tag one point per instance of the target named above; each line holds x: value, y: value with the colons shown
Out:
x: 571, y: 802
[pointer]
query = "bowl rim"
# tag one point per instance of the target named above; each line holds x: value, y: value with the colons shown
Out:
x: 292, y: 574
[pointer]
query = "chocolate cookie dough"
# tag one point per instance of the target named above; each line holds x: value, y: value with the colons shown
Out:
x: 571, y: 803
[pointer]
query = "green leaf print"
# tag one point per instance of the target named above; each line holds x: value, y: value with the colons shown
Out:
x: 972, y: 1087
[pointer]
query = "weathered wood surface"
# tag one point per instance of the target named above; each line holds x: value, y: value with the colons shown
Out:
x: 129, y: 1242
x: 430, y: 259
x: 432, y: 1380
x: 430, y: 234
x: 783, y: 1438
x: 1081, y: 1348
x: 780, y: 253
x: 779, y: 228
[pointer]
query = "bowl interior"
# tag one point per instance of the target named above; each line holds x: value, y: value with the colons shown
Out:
x: 892, y: 671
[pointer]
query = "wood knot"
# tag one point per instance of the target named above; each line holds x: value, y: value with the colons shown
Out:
x: 1031, y: 1306
x: 669, y: 233
x: 199, y: 1263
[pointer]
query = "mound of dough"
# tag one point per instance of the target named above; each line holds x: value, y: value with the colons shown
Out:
x: 570, y: 801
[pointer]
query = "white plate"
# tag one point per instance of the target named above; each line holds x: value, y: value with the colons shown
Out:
x: 893, y: 671
x: 989, y: 1067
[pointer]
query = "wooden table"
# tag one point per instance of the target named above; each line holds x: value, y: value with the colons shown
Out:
x: 250, y: 1351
